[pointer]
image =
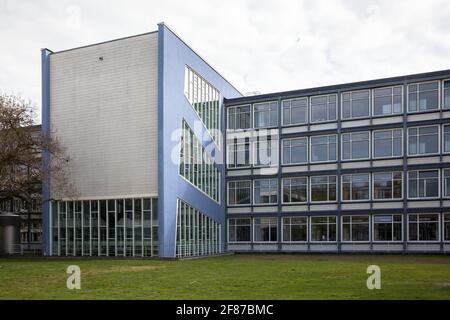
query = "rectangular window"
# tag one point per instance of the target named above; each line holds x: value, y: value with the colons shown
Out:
x: 239, y: 117
x: 266, y: 191
x: 295, y: 190
x: 356, y: 187
x: 323, y: 108
x: 295, y: 111
x: 423, y: 96
x: 355, y: 145
x: 387, y: 186
x: 266, y: 151
x: 446, y: 94
x: 387, y: 228
x: 323, y: 188
x: 239, y: 230
x: 388, y: 143
x: 239, y: 192
x: 423, y: 184
x: 265, y: 114
x: 295, y: 229
x: 295, y: 151
x: 423, y: 227
x: 447, y: 183
x: 356, y: 104
x: 324, y: 148
x: 355, y: 228
x: 447, y: 227
x: 265, y: 229
x: 323, y: 229
x: 423, y: 140
x: 388, y: 101
x: 446, y: 133
x: 238, y: 154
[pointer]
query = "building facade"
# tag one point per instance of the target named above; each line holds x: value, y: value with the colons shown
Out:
x: 354, y: 167
x: 140, y: 118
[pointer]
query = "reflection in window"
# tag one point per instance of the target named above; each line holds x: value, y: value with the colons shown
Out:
x: 295, y: 111
x: 266, y: 114
x: 324, y: 148
x: 323, y: 189
x: 387, y: 101
x: 423, y: 184
x: 323, y: 229
x: 355, y: 228
x: 266, y: 191
x: 355, y: 104
x: 387, y: 185
x: 295, y: 229
x: 265, y: 229
x: 239, y: 192
x: 423, y: 227
x: 447, y: 94
x: 295, y: 151
x: 355, y: 145
x: 355, y: 187
x: 295, y: 190
x: 239, y: 117
x: 323, y: 108
x: 388, y: 143
x: 423, y: 96
x: 239, y: 230
x: 423, y: 140
x: 387, y: 228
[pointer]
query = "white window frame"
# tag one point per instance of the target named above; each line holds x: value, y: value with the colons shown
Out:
x: 351, y: 93
x: 328, y: 114
x: 328, y: 189
x: 422, y: 198
x: 392, y: 137
x: 270, y: 225
x: 392, y: 180
x: 443, y: 94
x: 239, y: 242
x: 419, y: 83
x: 282, y: 189
x: 328, y: 146
x: 254, y: 114
x: 425, y: 154
x: 328, y: 231
x: 250, y: 151
x: 443, y: 226
x: 282, y: 151
x: 442, y: 130
x: 443, y: 184
x: 355, y: 201
x: 392, y: 223
x: 254, y: 151
x: 392, y: 99
x: 264, y: 204
x: 351, y: 224
x: 294, y: 217
x: 228, y: 194
x: 238, y: 106
x: 290, y: 108
x: 418, y: 223
x: 351, y: 148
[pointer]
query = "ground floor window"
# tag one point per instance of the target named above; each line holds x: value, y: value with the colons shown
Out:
x: 114, y: 227
x: 387, y: 228
x: 239, y: 230
x: 355, y: 228
x: 265, y: 229
x: 423, y: 227
x: 295, y: 229
x: 323, y: 229
x: 197, y: 234
x: 446, y: 226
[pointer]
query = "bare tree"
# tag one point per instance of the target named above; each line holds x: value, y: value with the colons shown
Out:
x: 21, y: 147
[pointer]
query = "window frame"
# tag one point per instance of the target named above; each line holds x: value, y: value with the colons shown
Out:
x: 392, y: 139
x: 442, y: 130
x: 351, y: 148
x: 290, y: 190
x: 254, y: 189
x: 328, y: 148
x: 392, y: 180
x: 392, y: 223
x: 282, y: 151
x: 351, y: 225
x: 424, y: 154
x: 419, y: 83
x: 239, y: 106
x: 270, y: 226
x: 250, y: 156
x: 228, y: 194
x: 255, y: 150
x: 444, y: 222
x: 328, y: 228
x: 254, y: 105
x: 290, y: 112
x: 418, y: 224
x: 425, y: 198
x: 443, y: 94
x: 351, y: 92
x: 392, y: 99
x: 228, y: 231
x: 355, y: 201
x: 294, y: 217
x: 444, y: 196
x: 328, y: 189
x: 328, y: 113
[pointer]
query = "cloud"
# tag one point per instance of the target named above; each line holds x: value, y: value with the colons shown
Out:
x: 258, y: 45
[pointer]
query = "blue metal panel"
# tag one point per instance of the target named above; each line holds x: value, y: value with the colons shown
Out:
x: 173, y: 106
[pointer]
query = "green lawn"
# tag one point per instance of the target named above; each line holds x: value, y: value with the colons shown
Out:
x: 229, y: 277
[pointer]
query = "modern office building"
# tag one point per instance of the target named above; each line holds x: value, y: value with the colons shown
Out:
x: 355, y: 167
x: 139, y: 118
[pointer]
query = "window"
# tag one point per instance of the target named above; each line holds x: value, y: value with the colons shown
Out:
x: 323, y: 148
x: 387, y: 228
x: 239, y: 230
x: 423, y: 96
x: 295, y: 151
x: 239, y: 117
x: 295, y: 229
x: 266, y: 114
x: 323, y: 189
x: 355, y: 187
x: 355, y: 145
x: 423, y: 227
x: 446, y: 138
x: 295, y: 190
x: 388, y: 143
x: 323, y: 108
x: 265, y: 229
x: 323, y: 229
x: 423, y: 140
x: 238, y: 154
x: 355, y: 104
x: 447, y: 183
x: 423, y: 184
x: 447, y: 227
x: 266, y: 151
x: 446, y: 94
x: 239, y: 192
x: 387, y: 101
x: 355, y: 228
x: 387, y: 186
x: 266, y: 191
x: 295, y: 111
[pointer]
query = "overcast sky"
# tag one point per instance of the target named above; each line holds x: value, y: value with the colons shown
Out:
x: 257, y: 45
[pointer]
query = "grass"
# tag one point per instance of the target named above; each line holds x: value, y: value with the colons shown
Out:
x: 251, y: 276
